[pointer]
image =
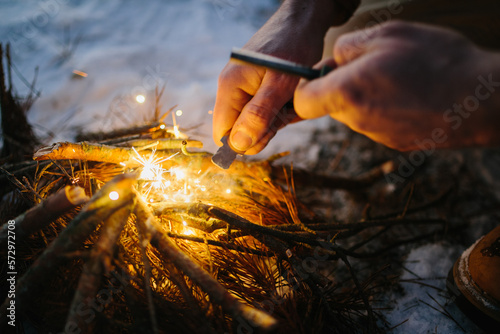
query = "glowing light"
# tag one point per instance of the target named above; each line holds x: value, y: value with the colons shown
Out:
x: 178, y: 113
x: 162, y: 126
x: 188, y: 232
x: 123, y: 164
x: 184, y: 223
x: 147, y: 172
x: 179, y: 173
x: 114, y: 195
x: 140, y: 98
x: 228, y: 191
x: 80, y: 73
x: 176, y: 131
x: 152, y: 171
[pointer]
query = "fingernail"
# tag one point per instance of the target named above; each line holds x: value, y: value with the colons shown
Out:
x: 241, y: 141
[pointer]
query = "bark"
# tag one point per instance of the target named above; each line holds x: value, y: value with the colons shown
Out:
x: 99, y: 263
x: 99, y: 208
x: 217, y: 293
x: 44, y: 213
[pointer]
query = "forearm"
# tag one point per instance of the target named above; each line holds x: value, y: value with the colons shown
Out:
x: 296, y: 30
x: 324, y: 13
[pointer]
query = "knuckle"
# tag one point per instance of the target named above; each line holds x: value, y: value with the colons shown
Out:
x: 258, y: 116
x: 226, y: 75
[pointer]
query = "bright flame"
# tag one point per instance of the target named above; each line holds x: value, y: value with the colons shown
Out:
x: 228, y: 191
x: 152, y: 171
x: 178, y: 113
x: 188, y: 231
x: 179, y: 173
x: 114, y: 195
x: 140, y: 98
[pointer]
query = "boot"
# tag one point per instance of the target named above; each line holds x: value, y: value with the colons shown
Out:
x: 475, y: 281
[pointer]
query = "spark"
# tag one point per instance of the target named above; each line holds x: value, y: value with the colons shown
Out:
x: 179, y: 173
x: 140, y: 98
x: 114, y: 195
x: 176, y: 131
x: 178, y: 113
x: 162, y: 126
x: 80, y: 73
x: 152, y: 171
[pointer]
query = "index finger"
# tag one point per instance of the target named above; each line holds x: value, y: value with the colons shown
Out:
x: 233, y: 93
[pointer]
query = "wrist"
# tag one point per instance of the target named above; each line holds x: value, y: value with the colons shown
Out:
x: 319, y: 14
x: 322, y: 13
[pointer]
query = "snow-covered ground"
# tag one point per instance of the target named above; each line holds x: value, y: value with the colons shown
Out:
x: 128, y: 48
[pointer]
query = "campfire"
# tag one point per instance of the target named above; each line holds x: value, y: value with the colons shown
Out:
x: 136, y: 230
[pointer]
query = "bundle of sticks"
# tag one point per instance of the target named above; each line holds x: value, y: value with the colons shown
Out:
x: 148, y: 235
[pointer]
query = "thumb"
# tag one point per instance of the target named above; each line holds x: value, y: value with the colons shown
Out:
x: 258, y: 115
x: 316, y: 98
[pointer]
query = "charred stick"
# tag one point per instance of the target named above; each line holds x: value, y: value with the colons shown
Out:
x: 230, y: 246
x: 99, y: 208
x: 44, y: 213
x: 190, y: 213
x: 100, y: 262
x: 313, y: 279
x: 361, y: 225
x: 195, y: 272
x: 241, y: 223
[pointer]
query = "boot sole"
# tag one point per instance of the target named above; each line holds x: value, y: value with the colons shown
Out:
x: 471, y: 300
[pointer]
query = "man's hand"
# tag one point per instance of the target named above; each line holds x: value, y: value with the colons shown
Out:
x: 250, y: 99
x: 398, y: 83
